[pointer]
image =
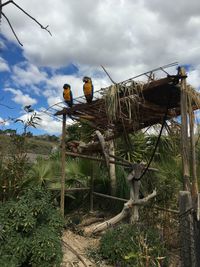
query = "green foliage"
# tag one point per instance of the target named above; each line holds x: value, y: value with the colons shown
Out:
x: 133, y: 147
x: 31, y: 121
x: 122, y: 185
x: 80, y: 131
x: 30, y: 230
x: 129, y: 245
x: 13, y: 169
x: 41, y: 171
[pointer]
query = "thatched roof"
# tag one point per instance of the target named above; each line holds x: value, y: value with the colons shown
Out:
x: 134, y: 106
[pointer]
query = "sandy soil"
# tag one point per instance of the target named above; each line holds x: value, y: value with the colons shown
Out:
x: 80, y: 244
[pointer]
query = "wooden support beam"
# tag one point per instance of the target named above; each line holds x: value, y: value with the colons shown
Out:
x: 110, y: 197
x: 120, y: 162
x: 92, y: 189
x: 103, y: 147
x: 62, y: 192
x: 194, y: 189
x: 73, y: 189
x: 97, y: 159
x: 187, y: 233
x: 184, y: 133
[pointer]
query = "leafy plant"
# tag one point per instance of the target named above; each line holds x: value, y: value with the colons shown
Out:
x: 30, y: 230
x: 30, y: 121
x: 129, y: 245
x: 14, y: 168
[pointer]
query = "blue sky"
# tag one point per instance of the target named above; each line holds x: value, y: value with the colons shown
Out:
x: 129, y: 38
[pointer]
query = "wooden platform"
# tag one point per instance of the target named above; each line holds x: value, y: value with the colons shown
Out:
x: 157, y: 98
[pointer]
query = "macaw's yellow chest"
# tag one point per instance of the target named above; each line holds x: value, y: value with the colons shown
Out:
x: 67, y: 95
x: 87, y: 88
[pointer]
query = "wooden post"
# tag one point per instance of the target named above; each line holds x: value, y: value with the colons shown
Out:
x: 92, y: 190
x: 134, y: 193
x: 112, y: 171
x: 193, y: 154
x: 62, y: 193
x: 184, y: 132
x: 187, y: 238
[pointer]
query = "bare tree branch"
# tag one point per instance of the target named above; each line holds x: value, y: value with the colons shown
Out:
x: 6, y: 106
x: 12, y: 2
x: 4, y: 4
x: 44, y: 28
x: 108, y: 75
x: 11, y: 28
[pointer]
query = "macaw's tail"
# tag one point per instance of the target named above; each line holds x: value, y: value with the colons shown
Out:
x: 69, y: 103
x: 89, y: 98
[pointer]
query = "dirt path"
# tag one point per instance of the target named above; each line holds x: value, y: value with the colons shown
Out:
x: 80, y: 244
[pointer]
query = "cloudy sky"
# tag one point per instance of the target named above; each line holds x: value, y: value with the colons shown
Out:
x: 127, y: 37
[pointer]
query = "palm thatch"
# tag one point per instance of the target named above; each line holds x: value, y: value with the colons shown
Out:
x: 122, y: 102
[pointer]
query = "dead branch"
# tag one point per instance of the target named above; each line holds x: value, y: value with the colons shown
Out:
x: 144, y: 200
x: 119, y: 217
x: 44, y: 28
x: 76, y: 253
x: 108, y: 75
x: 4, y: 4
x: 26, y: 13
x: 6, y: 106
x: 90, y: 221
x: 11, y: 28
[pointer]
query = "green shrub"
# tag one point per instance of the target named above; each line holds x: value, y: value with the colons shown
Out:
x: 128, y: 245
x: 30, y: 230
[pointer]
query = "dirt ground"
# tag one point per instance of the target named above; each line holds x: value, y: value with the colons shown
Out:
x: 75, y: 247
x: 79, y: 244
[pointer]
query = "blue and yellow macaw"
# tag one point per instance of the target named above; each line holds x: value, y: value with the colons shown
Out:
x: 67, y: 95
x: 88, y: 89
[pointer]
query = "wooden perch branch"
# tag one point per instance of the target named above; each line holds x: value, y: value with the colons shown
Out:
x: 103, y: 146
x: 122, y: 215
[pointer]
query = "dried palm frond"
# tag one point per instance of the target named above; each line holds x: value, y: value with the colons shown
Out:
x: 122, y: 102
x: 193, y: 96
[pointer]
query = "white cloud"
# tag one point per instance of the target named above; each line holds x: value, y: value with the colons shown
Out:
x: 128, y: 38
x: 194, y: 77
x: 26, y: 74
x: 4, y: 65
x: 20, y: 98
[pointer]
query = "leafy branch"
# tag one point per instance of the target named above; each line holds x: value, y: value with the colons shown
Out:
x: 32, y: 121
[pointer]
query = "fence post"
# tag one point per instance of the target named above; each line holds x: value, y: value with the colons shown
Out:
x: 187, y: 238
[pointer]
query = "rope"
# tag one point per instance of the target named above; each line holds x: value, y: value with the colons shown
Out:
x: 157, y: 142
